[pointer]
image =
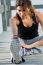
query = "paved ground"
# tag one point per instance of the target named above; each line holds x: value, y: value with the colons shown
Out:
x: 5, y: 39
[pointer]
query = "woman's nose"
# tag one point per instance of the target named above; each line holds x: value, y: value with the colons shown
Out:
x: 22, y: 14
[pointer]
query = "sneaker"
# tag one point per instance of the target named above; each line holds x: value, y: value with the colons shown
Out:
x: 23, y: 60
x: 12, y: 60
x: 17, y: 62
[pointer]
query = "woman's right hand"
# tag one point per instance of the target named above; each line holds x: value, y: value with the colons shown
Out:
x: 26, y: 46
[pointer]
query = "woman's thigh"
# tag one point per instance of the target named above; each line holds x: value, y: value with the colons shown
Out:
x: 21, y: 41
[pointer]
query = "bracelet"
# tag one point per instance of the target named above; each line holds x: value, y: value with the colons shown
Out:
x: 15, y: 36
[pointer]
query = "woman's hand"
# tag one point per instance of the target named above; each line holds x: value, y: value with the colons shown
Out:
x: 26, y: 46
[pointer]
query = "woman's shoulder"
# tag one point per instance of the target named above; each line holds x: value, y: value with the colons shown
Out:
x: 39, y: 14
x: 14, y: 19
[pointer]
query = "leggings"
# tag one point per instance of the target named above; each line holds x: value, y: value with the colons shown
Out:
x: 23, y: 51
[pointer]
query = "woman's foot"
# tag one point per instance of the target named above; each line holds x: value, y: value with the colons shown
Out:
x: 14, y: 61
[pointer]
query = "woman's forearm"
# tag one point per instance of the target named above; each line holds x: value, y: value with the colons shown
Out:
x: 36, y: 44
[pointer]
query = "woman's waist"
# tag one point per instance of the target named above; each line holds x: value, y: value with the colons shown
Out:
x: 25, y: 36
x: 28, y: 36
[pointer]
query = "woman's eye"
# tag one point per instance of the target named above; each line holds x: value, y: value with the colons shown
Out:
x: 19, y: 10
x: 23, y: 10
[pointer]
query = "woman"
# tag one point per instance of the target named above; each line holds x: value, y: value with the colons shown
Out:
x: 25, y: 27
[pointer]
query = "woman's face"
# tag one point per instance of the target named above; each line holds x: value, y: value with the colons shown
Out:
x: 22, y: 11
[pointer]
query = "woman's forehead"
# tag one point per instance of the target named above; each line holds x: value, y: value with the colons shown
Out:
x: 21, y: 7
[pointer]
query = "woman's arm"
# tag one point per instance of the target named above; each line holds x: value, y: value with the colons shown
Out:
x: 13, y: 25
x: 40, y: 17
x: 36, y: 44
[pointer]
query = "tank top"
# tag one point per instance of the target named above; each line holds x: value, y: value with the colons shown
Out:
x: 28, y: 32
